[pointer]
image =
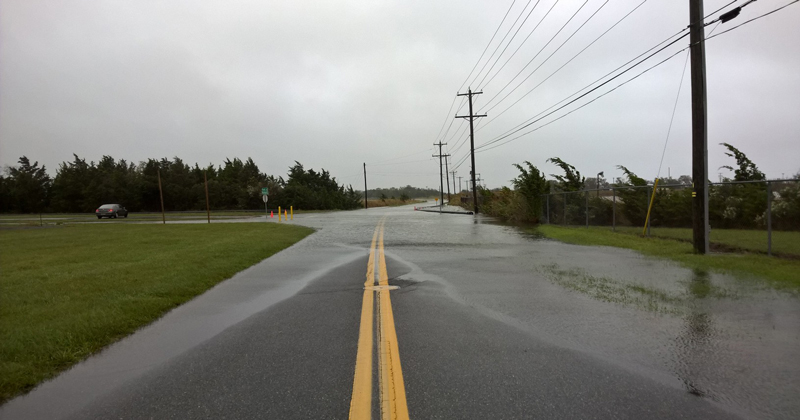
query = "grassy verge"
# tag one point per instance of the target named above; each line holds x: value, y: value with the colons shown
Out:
x: 66, y: 292
x: 780, y: 273
x: 62, y: 218
x: 752, y: 240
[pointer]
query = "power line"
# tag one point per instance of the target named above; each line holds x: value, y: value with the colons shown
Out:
x: 565, y: 64
x: 509, y: 43
x: 484, y: 51
x: 551, y: 54
x: 523, y: 43
x: 501, y: 43
x: 523, y: 124
x: 540, y: 51
x: 672, y: 118
x: 755, y: 18
x: 588, y: 92
x: 484, y: 148
x: 607, y: 74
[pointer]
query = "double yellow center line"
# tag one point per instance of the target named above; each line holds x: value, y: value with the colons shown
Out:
x: 392, y: 389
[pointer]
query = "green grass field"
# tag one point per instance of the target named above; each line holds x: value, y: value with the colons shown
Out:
x: 63, y: 218
x: 68, y: 291
x: 751, y: 240
x: 780, y: 273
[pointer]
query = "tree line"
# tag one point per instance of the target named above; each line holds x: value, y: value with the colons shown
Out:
x: 80, y: 186
x: 402, y: 193
x: 741, y: 206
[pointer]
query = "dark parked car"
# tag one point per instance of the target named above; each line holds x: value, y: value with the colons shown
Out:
x: 111, y: 211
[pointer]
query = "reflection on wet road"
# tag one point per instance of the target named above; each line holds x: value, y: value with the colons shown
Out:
x: 491, y: 323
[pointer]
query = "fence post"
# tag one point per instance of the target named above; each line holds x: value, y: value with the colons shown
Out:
x: 614, y: 211
x: 586, y: 196
x: 648, y: 222
x: 548, y: 209
x: 565, y: 209
x: 769, y: 218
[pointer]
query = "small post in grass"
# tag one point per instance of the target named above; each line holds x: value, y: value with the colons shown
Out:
x: 586, y: 208
x: 769, y: 219
x: 614, y: 210
x: 649, y: 208
x: 208, y: 208
x: 548, y: 209
x: 161, y: 195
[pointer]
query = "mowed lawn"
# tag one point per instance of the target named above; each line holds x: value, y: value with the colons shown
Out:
x: 68, y: 291
x: 783, y: 242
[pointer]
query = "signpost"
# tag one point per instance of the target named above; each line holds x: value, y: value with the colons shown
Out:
x: 265, y: 198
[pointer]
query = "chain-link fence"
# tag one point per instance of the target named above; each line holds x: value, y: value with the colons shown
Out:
x: 755, y: 216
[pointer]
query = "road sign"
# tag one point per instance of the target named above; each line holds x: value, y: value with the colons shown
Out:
x: 265, y: 191
x: 265, y: 198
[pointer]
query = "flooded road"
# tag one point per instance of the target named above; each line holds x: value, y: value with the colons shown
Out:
x: 491, y: 323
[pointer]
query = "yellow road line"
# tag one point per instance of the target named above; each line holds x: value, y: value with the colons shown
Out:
x: 361, y: 401
x: 393, y: 390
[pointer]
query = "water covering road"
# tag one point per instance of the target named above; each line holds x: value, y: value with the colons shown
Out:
x: 490, y: 323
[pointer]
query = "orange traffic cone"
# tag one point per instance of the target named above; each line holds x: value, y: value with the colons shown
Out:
x: 271, y: 216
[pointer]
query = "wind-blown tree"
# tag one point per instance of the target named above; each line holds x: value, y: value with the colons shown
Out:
x: 571, y: 180
x: 28, y: 186
x: 531, y: 184
x: 742, y: 205
x: 746, y: 170
x: 634, y: 199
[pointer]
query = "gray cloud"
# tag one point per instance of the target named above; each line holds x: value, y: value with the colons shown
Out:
x: 335, y: 84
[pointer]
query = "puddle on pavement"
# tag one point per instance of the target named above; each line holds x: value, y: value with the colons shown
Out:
x: 731, y: 340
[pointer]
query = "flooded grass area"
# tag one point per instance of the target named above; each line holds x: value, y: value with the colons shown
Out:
x: 726, y: 326
x: 778, y: 272
x: 657, y: 299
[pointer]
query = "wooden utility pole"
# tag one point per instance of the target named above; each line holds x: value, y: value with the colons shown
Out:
x: 365, y: 186
x: 161, y: 195
x: 455, y: 191
x: 459, y: 184
x: 441, y: 178
x: 447, y: 177
x: 472, y: 117
x: 208, y: 207
x: 699, y: 128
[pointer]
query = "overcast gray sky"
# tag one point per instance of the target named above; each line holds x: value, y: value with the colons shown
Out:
x: 333, y: 84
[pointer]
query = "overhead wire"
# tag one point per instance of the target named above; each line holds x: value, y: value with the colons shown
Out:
x: 755, y: 18
x: 540, y: 50
x: 510, y: 41
x: 510, y: 131
x: 500, y: 43
x: 548, y: 57
x: 535, y: 119
x: 564, y: 65
x: 520, y: 45
x: 607, y: 74
x: 486, y: 48
x: 485, y: 148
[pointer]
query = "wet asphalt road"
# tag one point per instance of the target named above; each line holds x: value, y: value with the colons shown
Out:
x: 490, y: 324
